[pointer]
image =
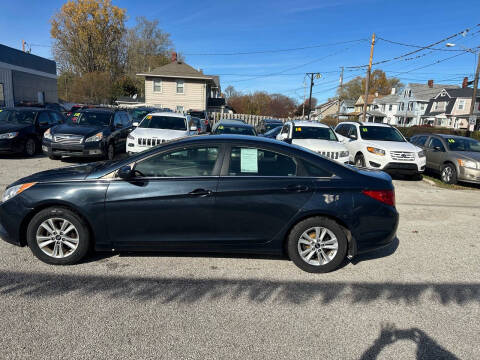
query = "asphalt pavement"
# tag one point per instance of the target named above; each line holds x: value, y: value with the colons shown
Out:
x: 417, y: 299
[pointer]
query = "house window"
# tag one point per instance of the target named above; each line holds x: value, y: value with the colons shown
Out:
x: 435, y: 106
x: 390, y: 107
x: 179, y: 108
x: 179, y: 86
x: 422, y: 106
x: 461, y: 104
x: 409, y: 93
x: 157, y: 85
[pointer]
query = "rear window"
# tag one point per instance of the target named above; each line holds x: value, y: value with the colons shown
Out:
x: 164, y: 122
x: 239, y: 130
x: 17, y: 117
x: 310, y: 132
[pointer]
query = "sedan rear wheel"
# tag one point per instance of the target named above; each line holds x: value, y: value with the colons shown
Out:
x: 317, y: 245
x: 58, y: 236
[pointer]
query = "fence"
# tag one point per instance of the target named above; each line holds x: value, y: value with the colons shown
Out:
x: 249, y: 119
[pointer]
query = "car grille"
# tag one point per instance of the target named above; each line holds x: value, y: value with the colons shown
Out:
x: 68, y: 139
x: 402, y: 156
x: 150, y: 142
x: 330, y: 154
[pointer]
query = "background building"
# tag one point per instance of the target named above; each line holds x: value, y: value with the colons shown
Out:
x: 26, y: 78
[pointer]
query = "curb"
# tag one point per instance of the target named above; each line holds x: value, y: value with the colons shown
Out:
x: 428, y: 181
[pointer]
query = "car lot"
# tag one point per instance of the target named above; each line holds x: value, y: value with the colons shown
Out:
x: 417, y: 299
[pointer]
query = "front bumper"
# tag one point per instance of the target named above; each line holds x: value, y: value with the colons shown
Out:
x: 12, y: 214
x: 469, y: 175
x: 387, y: 164
x: 9, y: 146
x: 90, y: 149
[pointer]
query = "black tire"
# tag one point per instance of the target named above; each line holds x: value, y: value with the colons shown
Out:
x: 54, y: 157
x: 110, y: 155
x: 305, y: 225
x: 415, y: 177
x: 59, y: 213
x: 30, y: 147
x: 359, y: 160
x: 449, y: 174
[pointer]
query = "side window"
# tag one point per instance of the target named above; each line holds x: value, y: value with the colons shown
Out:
x: 259, y: 162
x: 117, y: 119
x: 434, y: 142
x: 352, y: 131
x: 43, y: 119
x: 180, y: 163
x: 339, y: 129
x: 125, y: 119
x: 315, y: 170
x: 285, y: 129
x: 56, y: 117
x: 419, y: 140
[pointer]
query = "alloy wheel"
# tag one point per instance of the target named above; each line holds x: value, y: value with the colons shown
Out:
x: 317, y: 246
x: 57, y: 237
x: 447, y: 174
x: 30, y: 147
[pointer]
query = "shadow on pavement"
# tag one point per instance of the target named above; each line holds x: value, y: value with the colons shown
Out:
x: 191, y: 290
x: 427, y: 348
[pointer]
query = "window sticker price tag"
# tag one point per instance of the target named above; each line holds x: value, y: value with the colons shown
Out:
x: 364, y: 129
x: 451, y: 141
x: 76, y: 114
x: 249, y: 160
x: 149, y: 117
x: 298, y: 129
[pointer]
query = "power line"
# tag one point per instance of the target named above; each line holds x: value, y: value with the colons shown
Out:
x: 415, y: 46
x: 273, y: 51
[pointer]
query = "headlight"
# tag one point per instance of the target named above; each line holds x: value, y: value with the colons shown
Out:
x: 131, y: 137
x: 15, y: 190
x: 467, y: 163
x: 9, y: 135
x: 47, y: 135
x: 344, y: 153
x: 96, y: 137
x: 376, y: 151
x: 421, y: 154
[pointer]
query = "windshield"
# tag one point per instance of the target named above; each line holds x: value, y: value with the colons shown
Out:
x: 17, y: 117
x: 270, y: 126
x: 381, y: 133
x: 164, y: 122
x: 90, y: 119
x: 197, y: 114
x: 232, y: 129
x: 138, y: 115
x: 460, y: 144
x: 310, y: 132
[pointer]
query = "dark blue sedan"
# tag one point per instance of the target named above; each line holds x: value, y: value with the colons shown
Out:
x: 226, y: 193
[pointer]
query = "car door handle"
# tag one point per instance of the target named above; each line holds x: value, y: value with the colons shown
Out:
x: 200, y: 192
x: 297, y: 188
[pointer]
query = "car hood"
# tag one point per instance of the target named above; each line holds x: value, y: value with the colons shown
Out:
x: 158, y: 133
x: 393, y: 145
x: 470, y: 155
x: 319, y: 145
x: 76, y: 172
x: 76, y: 129
x: 10, y: 127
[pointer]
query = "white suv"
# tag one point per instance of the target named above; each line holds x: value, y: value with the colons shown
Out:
x: 381, y: 146
x: 157, y: 128
x: 314, y: 136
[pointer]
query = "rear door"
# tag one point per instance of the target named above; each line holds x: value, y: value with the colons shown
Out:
x: 171, y: 201
x: 257, y: 195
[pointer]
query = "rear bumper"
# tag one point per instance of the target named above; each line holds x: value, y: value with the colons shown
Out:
x: 91, y: 149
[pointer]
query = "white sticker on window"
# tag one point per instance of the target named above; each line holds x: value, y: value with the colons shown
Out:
x: 249, y: 160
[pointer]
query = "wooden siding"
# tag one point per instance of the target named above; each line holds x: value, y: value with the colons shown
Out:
x: 193, y: 96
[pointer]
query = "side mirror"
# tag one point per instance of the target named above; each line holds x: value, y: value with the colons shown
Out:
x: 43, y: 123
x: 193, y: 128
x: 125, y: 172
x: 118, y: 126
x: 437, y: 148
x: 352, y: 137
x: 288, y: 141
x: 135, y: 124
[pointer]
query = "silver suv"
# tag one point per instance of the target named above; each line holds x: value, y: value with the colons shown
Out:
x: 455, y: 158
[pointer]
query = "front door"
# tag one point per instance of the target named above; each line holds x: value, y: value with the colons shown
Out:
x: 257, y: 195
x: 435, y: 152
x: 169, y: 203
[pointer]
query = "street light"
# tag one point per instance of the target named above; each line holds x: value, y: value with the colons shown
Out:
x: 475, y: 85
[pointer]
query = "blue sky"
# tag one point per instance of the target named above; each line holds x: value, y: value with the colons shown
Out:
x: 228, y: 26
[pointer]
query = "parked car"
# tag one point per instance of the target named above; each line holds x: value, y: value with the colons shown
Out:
x: 21, y: 129
x: 226, y: 193
x: 200, y: 124
x: 315, y: 136
x: 157, y: 128
x: 381, y: 146
x: 266, y: 125
x: 55, y: 106
x: 455, y: 158
x: 203, y: 115
x: 272, y: 134
x: 233, y: 127
x: 88, y: 133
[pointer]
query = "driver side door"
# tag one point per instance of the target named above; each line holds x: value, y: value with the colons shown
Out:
x: 170, y: 203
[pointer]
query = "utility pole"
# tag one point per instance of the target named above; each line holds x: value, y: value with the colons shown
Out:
x: 474, y: 96
x: 367, y: 80
x: 311, y: 76
x: 304, y: 95
x: 339, y: 92
x: 23, y: 45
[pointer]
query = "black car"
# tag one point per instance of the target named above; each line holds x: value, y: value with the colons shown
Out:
x: 233, y: 127
x: 89, y: 133
x: 226, y: 193
x: 21, y: 129
x: 272, y: 134
x: 266, y: 125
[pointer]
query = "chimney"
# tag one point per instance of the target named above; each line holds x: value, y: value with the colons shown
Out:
x: 376, y: 93
x: 174, y: 56
x: 430, y: 83
x: 465, y: 82
x: 393, y: 91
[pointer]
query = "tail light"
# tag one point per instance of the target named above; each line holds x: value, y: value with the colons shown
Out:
x: 384, y: 196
